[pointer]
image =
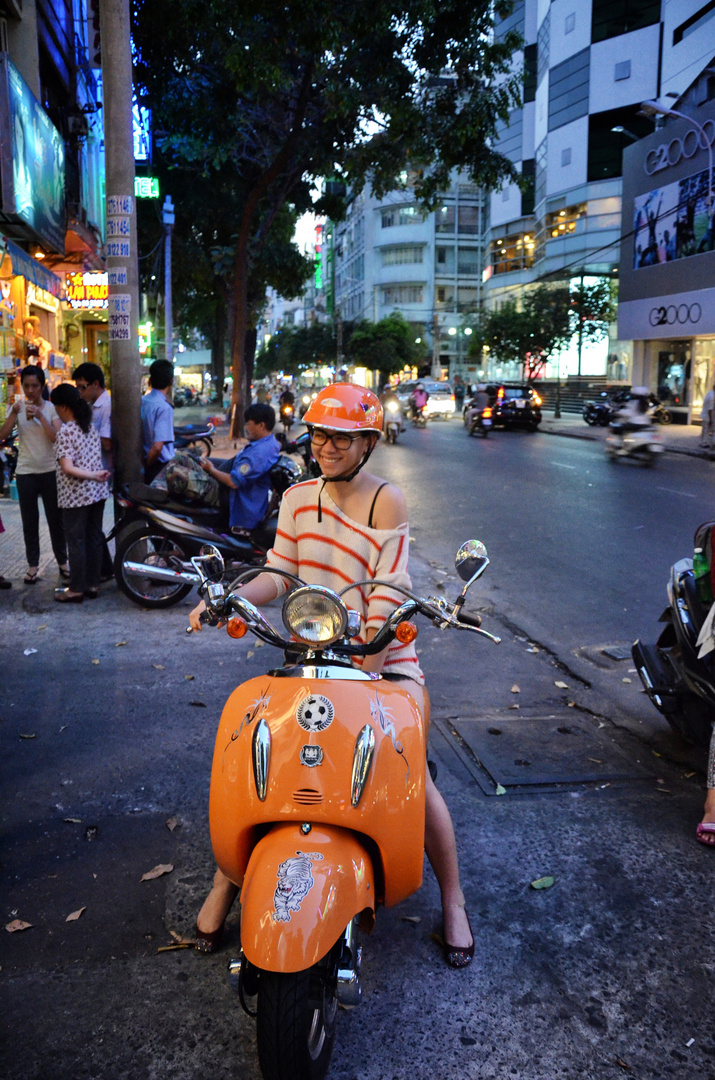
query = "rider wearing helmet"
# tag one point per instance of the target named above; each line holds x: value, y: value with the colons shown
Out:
x: 419, y: 397
x: 359, y: 532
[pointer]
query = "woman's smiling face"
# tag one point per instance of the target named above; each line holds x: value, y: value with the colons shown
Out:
x: 335, y: 462
x: 32, y: 390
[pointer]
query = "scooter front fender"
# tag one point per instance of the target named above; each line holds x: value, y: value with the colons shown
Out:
x: 300, y: 892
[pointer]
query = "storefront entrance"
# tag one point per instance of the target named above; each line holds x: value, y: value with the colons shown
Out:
x: 703, y: 372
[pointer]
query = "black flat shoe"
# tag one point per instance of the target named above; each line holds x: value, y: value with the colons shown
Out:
x: 209, y: 942
x: 460, y: 956
x: 64, y: 596
x: 4, y: 583
x: 91, y: 594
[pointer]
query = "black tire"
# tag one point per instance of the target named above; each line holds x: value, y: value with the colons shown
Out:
x: 391, y: 435
x: 664, y: 416
x: 142, y: 542
x: 295, y: 1027
x: 590, y: 418
x: 204, y: 447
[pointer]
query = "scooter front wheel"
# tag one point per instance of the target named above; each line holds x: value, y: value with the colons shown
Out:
x: 295, y: 1027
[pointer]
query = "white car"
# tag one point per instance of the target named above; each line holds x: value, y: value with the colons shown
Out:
x: 440, y: 402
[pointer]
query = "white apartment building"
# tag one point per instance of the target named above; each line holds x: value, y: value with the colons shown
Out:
x: 387, y: 255
x: 588, y: 66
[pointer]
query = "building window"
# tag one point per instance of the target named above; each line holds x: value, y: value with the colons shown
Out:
x: 395, y: 295
x: 444, y: 294
x: 401, y: 215
x: 622, y: 71
x: 540, y: 172
x: 469, y: 261
x: 568, y: 89
x: 529, y: 73
x: 605, y: 146
x: 444, y: 260
x: 467, y: 300
x: 444, y: 219
x: 398, y: 256
x: 469, y: 220
x: 543, y: 47
x: 511, y: 253
x: 570, y: 23
x: 609, y: 18
x: 528, y: 174
x: 566, y: 156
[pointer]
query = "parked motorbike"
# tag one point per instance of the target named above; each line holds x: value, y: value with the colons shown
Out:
x: 8, y: 462
x: 680, y: 686
x: 157, y: 536
x: 301, y: 447
x: 639, y: 444
x: 317, y: 803
x: 392, y: 424
x: 658, y: 412
x: 601, y: 412
x: 195, y: 436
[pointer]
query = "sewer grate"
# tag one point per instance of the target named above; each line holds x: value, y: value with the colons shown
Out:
x: 538, y: 752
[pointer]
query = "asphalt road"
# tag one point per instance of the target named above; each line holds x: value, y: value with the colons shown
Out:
x: 107, y: 733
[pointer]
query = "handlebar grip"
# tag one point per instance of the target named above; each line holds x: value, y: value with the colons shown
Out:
x: 206, y: 618
x: 469, y: 620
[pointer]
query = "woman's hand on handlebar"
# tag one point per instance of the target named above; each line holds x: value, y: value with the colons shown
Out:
x: 195, y: 616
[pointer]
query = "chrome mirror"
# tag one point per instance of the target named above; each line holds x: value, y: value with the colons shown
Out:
x: 471, y: 560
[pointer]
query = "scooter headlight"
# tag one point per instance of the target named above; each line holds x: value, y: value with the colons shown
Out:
x: 315, y: 615
x: 392, y: 406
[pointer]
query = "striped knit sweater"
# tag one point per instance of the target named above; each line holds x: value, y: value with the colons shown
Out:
x: 336, y: 552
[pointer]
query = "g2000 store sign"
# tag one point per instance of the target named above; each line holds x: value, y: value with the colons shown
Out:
x: 666, y: 154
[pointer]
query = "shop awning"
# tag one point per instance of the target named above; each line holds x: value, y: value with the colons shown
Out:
x: 23, y: 264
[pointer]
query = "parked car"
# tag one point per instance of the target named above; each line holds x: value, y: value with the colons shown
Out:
x: 514, y: 405
x: 441, y: 397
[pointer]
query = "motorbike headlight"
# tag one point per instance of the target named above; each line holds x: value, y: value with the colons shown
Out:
x: 306, y: 399
x: 392, y: 406
x: 315, y: 615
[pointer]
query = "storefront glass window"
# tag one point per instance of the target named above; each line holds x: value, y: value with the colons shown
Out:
x: 673, y: 375
x: 703, y: 372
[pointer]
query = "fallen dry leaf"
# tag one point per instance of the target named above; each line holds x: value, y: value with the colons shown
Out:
x: 571, y: 704
x: 17, y: 924
x: 561, y: 685
x: 178, y: 945
x: 542, y: 883
x: 158, y: 871
x: 33, y: 736
x: 172, y: 823
x: 199, y: 704
x: 412, y: 918
x: 515, y: 706
x: 516, y: 689
x: 159, y: 667
x: 96, y: 663
x: 249, y: 654
x: 500, y: 790
x: 119, y: 643
x: 43, y: 627
x: 73, y: 820
x: 189, y: 678
x: 75, y: 914
x: 627, y: 680
x: 182, y: 940
x: 596, y: 761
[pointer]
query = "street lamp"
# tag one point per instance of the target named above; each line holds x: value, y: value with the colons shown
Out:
x: 653, y: 108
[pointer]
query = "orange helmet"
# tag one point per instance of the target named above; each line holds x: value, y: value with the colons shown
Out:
x: 345, y: 407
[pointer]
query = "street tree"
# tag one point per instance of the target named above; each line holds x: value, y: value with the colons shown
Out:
x: 528, y: 332
x: 386, y: 346
x: 284, y: 97
x: 593, y: 309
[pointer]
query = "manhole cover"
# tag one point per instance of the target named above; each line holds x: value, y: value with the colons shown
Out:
x: 617, y: 652
x: 538, y: 752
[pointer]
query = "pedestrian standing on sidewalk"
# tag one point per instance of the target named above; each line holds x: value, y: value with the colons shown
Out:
x: 158, y: 419
x: 706, y: 433
x: 37, y: 427
x: 89, y: 380
x: 81, y: 492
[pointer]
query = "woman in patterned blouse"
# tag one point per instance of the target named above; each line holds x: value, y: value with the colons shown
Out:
x: 81, y: 491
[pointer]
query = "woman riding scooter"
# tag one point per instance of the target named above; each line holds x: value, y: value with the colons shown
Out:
x: 342, y: 527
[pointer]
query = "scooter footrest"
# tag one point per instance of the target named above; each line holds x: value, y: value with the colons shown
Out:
x: 660, y: 680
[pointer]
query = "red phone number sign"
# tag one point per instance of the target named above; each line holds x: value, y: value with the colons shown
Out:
x: 87, y: 290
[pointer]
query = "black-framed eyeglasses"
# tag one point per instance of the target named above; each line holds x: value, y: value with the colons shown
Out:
x: 341, y: 440
x: 81, y: 386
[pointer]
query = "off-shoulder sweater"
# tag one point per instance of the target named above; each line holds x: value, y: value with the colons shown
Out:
x: 336, y: 552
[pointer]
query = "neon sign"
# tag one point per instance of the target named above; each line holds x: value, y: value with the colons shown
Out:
x: 146, y: 187
x: 87, y: 290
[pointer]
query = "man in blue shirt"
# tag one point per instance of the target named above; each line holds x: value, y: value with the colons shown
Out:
x: 158, y: 419
x: 248, y: 474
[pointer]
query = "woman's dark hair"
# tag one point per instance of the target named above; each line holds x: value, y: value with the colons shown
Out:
x: 33, y: 369
x: 68, y: 395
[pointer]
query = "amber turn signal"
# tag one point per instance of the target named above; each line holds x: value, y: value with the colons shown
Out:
x: 406, y: 632
x: 236, y: 628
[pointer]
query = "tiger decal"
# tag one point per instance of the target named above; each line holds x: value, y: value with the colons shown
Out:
x: 295, y: 880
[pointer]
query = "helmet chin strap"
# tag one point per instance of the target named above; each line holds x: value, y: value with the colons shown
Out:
x: 345, y: 478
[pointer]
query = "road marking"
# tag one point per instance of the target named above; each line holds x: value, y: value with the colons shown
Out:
x: 672, y: 491
x: 562, y: 466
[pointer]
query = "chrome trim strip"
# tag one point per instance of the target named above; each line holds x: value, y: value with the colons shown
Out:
x: 362, y: 758
x: 160, y: 573
x: 349, y: 989
x: 261, y: 758
x: 330, y: 671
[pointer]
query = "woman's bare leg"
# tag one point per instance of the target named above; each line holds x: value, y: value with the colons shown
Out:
x: 441, y: 849
x: 217, y: 904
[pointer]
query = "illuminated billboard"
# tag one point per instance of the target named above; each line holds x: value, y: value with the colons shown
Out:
x: 33, y: 173
x: 672, y: 222
x: 87, y: 290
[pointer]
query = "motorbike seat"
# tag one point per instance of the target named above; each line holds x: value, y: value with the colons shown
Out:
x: 212, y: 516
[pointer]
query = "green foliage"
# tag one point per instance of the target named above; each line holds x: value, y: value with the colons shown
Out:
x: 294, y: 350
x: 386, y: 346
x: 527, y: 333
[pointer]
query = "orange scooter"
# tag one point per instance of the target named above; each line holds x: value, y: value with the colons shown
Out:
x: 317, y: 804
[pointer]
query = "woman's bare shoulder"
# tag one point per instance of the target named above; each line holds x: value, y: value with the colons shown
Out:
x: 390, y: 508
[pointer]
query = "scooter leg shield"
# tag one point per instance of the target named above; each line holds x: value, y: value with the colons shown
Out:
x: 300, y: 892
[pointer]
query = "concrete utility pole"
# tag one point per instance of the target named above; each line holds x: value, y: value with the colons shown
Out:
x: 167, y: 217
x: 121, y: 248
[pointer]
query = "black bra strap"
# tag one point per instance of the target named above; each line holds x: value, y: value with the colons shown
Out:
x: 369, y: 520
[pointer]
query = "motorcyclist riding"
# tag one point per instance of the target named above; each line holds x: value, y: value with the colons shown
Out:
x: 418, y: 399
